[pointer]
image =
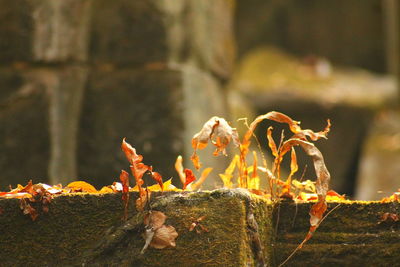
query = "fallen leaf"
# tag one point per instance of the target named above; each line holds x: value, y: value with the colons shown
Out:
x: 81, y: 186
x: 164, y: 237
x: 27, y: 209
x: 158, y: 235
x: 388, y: 217
x: 106, y: 189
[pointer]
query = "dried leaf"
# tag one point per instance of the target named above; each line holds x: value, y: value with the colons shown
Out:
x: 81, y: 186
x: 158, y: 178
x: 307, y: 185
x: 293, y: 169
x: 179, y: 168
x: 27, y: 209
x: 271, y: 142
x: 106, y: 189
x: 254, y: 181
x: 189, y: 177
x: 388, y: 217
x: 227, y: 176
x: 144, y: 197
x: 130, y: 153
x: 168, y: 186
x: 155, y: 219
x: 158, y: 235
x: 124, y: 178
x: 203, y: 177
x: 218, y: 131
x: 282, y: 118
x: 164, y: 237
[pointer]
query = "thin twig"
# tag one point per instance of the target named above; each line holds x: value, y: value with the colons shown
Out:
x: 305, y: 240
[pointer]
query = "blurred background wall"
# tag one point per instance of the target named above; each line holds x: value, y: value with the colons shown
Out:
x: 76, y: 76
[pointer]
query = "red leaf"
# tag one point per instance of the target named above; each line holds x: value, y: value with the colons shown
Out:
x: 189, y: 178
x: 158, y: 178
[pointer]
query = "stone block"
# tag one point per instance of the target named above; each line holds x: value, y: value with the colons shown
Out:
x: 379, y: 163
x: 45, y: 31
x: 143, y: 106
x: 24, y: 135
x: 158, y: 111
x: 242, y: 230
x: 310, y: 28
x: 38, y: 131
x: 76, y: 224
x: 145, y: 32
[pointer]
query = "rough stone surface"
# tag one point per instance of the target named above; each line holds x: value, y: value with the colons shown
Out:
x: 75, y: 225
x: 352, y: 235
x: 87, y: 228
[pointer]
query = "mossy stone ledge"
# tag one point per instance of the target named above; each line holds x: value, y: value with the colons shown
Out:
x: 242, y: 230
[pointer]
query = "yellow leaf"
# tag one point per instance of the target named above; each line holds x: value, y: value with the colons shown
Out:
x: 226, y: 177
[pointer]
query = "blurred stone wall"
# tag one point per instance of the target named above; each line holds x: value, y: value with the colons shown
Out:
x: 76, y: 76
x: 347, y: 32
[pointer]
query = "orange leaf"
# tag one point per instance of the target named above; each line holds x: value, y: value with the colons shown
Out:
x: 81, y: 186
x: 271, y: 142
x: 130, y: 153
x: 189, y: 177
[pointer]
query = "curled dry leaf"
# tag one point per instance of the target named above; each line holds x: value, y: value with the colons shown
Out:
x: 158, y: 235
x: 218, y: 131
x: 164, y: 237
x: 322, y: 184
